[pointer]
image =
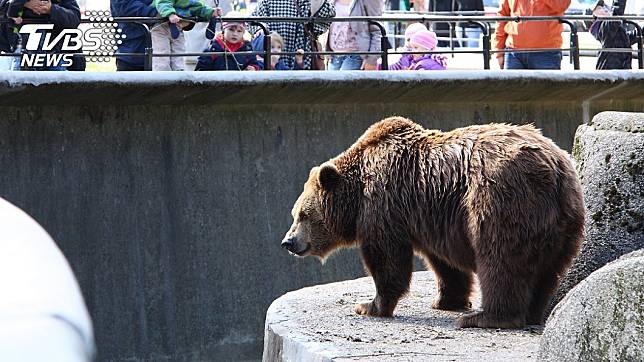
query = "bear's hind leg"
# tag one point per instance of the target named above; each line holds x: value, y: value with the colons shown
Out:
x: 454, y: 286
x: 505, y: 297
x: 544, y: 287
x: 391, y: 271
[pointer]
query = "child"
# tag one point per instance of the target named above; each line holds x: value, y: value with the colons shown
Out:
x: 168, y: 37
x: 277, y: 45
x: 406, y: 59
x: 232, y: 42
x: 423, y: 41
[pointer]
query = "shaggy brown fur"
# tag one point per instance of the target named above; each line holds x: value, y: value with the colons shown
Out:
x: 497, y: 200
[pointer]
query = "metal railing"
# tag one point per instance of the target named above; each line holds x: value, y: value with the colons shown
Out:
x: 481, y: 22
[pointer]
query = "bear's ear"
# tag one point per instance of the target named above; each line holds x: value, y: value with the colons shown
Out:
x: 329, y: 176
x: 314, y: 171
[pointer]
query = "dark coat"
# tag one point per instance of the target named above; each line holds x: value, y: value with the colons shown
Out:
x: 230, y: 61
x: 613, y: 34
x: 65, y: 14
x: 136, y: 34
x: 469, y: 5
x: 442, y: 28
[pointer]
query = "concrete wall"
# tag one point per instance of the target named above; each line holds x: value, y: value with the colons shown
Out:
x: 169, y: 193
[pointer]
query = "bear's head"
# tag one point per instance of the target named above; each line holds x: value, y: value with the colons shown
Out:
x: 315, y: 230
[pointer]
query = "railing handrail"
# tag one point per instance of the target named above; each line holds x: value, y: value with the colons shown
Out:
x: 411, y: 17
x: 423, y: 17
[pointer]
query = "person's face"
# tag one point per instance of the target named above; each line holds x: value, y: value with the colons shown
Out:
x: 601, y: 11
x: 408, y: 42
x: 417, y: 48
x: 234, y: 34
x: 276, y: 47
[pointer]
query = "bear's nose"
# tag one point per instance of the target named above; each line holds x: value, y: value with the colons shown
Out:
x: 288, y: 243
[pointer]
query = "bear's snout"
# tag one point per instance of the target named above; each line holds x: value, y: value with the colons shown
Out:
x: 289, y: 243
x: 294, y: 246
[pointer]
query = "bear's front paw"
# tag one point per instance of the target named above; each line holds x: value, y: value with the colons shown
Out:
x: 450, y: 304
x: 370, y: 309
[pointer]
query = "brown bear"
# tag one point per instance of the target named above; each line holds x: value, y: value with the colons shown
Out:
x: 498, y: 200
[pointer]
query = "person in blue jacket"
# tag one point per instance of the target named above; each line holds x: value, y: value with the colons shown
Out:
x: 277, y: 46
x: 135, y: 40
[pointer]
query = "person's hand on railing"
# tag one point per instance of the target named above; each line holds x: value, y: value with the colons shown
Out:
x: 18, y: 20
x: 299, y: 58
x: 174, y: 18
x: 218, y: 12
x: 601, y: 11
x: 367, y: 66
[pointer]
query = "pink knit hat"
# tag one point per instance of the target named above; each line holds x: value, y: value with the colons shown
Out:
x: 424, y: 38
x: 413, y: 29
x: 233, y: 14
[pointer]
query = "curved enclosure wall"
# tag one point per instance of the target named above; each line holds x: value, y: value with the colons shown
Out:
x: 169, y: 193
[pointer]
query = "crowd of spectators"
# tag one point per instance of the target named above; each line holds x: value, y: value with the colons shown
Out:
x: 516, y: 44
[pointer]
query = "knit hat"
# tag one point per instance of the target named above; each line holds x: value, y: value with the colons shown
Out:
x: 413, y: 29
x: 233, y: 14
x: 424, y: 38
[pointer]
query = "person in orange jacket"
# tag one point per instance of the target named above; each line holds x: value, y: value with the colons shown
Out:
x: 511, y: 35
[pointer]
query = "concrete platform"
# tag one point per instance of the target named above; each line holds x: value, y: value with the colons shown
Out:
x: 318, y: 324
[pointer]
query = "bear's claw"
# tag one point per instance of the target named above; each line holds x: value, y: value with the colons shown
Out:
x: 370, y: 309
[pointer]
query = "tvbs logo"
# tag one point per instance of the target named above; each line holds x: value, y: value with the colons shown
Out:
x: 99, y: 42
x: 70, y: 40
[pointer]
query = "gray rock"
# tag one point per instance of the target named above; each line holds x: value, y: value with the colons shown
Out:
x: 610, y: 161
x: 318, y: 324
x: 602, y: 318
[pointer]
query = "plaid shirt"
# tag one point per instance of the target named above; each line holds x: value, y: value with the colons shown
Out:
x: 293, y: 33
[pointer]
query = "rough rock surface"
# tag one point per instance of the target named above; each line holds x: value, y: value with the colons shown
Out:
x: 318, y: 324
x: 610, y: 161
x: 602, y: 318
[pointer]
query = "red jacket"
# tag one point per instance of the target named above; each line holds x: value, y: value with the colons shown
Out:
x: 529, y: 34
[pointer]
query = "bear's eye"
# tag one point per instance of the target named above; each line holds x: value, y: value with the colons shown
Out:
x: 302, y: 216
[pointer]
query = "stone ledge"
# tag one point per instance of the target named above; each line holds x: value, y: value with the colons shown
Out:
x: 618, y: 121
x: 318, y: 324
x: 307, y: 87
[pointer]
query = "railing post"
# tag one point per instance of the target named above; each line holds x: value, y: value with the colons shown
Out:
x: 147, y: 60
x: 574, y: 43
x: 384, y: 52
x: 640, y: 48
x: 267, y: 52
x: 487, y: 46
x: 485, y: 29
x: 267, y: 44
